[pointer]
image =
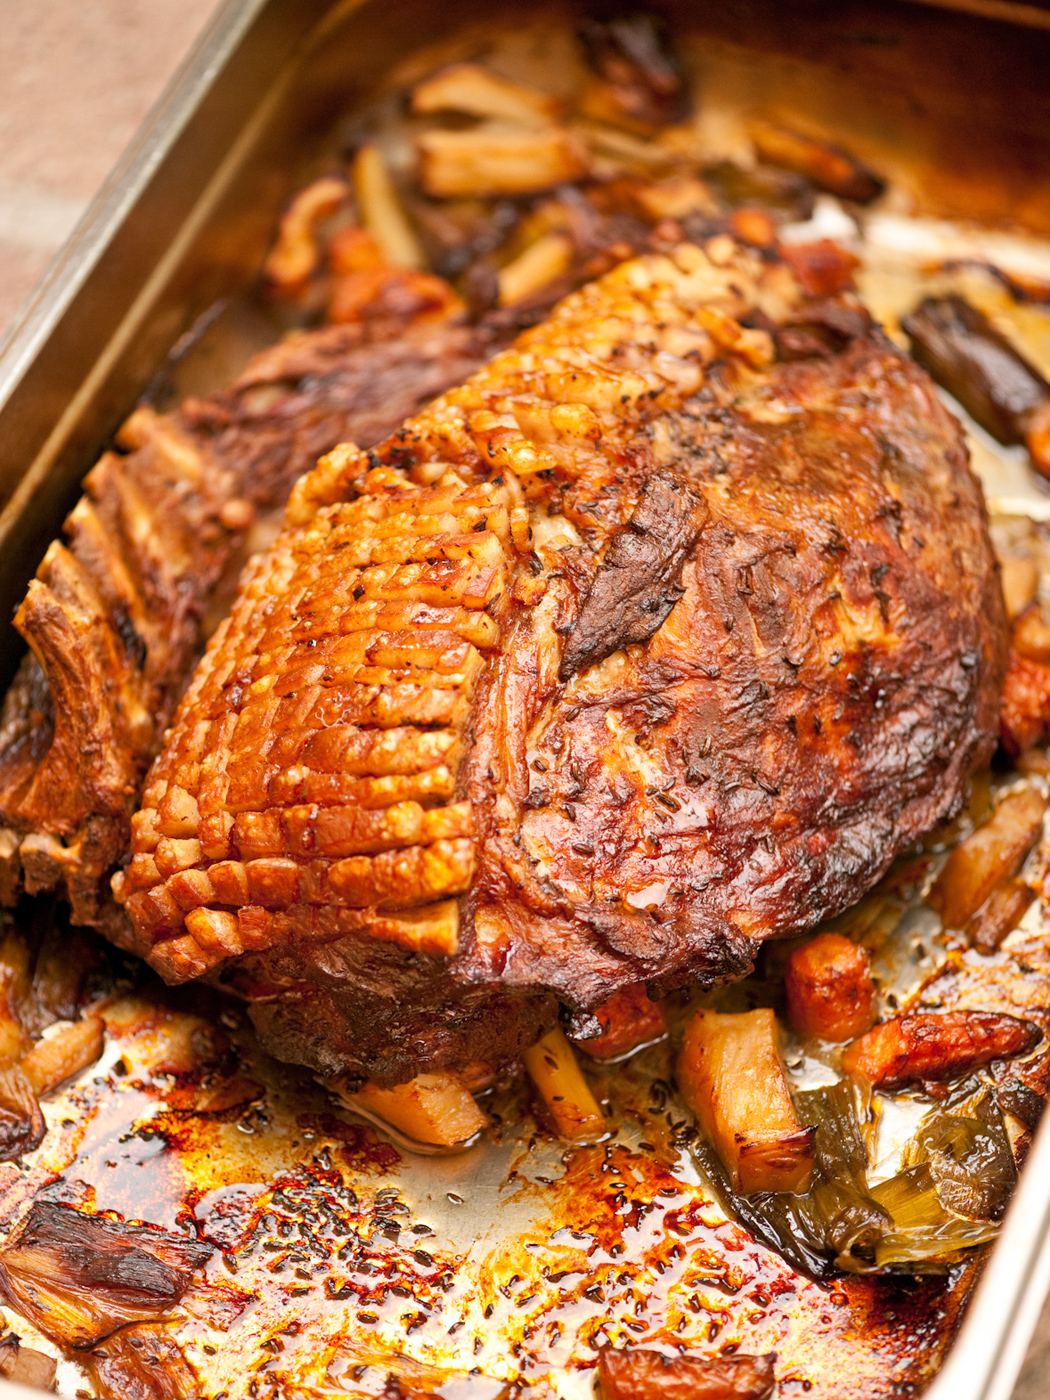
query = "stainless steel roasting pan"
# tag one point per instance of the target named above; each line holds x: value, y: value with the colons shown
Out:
x: 954, y: 100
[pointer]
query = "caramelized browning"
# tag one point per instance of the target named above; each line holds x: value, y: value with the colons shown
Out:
x: 830, y: 992
x: 635, y: 1374
x: 732, y: 1077
x: 930, y: 1046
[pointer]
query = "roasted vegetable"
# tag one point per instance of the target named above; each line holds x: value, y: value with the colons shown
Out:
x: 24, y: 1366
x: 628, y: 1019
x: 829, y: 166
x: 497, y: 161
x: 989, y: 376
x: 1001, y: 912
x: 473, y: 90
x: 830, y: 992
x: 637, y: 83
x: 22, y: 1124
x: 731, y: 1076
x: 295, y: 253
x: 937, y: 1045
x: 918, y: 1221
x: 141, y: 1362
x: 634, y: 1374
x: 994, y: 852
x: 1019, y: 576
x: 1025, y: 710
x: 540, y: 264
x: 64, y: 1054
x: 381, y: 211
x: 566, y: 1094
x: 78, y: 1277
x: 1031, y: 637
x: 432, y: 1108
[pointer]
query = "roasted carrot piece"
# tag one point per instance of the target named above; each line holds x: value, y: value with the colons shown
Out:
x: 830, y: 992
x: 937, y: 1045
x: 628, y: 1018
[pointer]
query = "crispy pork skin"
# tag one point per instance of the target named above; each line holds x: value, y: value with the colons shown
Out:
x: 640, y: 647
x: 114, y: 616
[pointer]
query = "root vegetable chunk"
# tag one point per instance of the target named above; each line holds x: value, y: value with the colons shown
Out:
x: 829, y: 988
x: 992, y: 853
x: 732, y: 1077
x: 931, y: 1046
x: 566, y: 1093
x: 648, y: 1375
x: 432, y: 1108
x: 628, y: 1019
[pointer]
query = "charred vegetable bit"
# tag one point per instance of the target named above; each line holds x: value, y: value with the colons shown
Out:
x: 936, y: 1046
x: 1000, y: 913
x: 637, y: 82
x: 649, y: 1375
x: 918, y: 1221
x: 994, y: 852
x: 830, y: 167
x: 24, y: 1366
x: 628, y: 1019
x: 22, y: 1125
x: 78, y: 1277
x: 829, y: 987
x: 142, y: 1362
x: 731, y: 1076
x: 976, y: 363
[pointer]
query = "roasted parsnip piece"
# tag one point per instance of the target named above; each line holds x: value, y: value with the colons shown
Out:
x: 497, y: 160
x: 989, y: 376
x: 295, y: 253
x: 649, y: 1375
x: 469, y: 88
x: 432, y: 1108
x: 994, y: 852
x: 628, y: 1019
x: 567, y: 1095
x: 537, y: 267
x: 731, y: 1076
x: 935, y: 1046
x: 827, y: 165
x: 381, y: 211
x: 830, y: 992
x: 67, y: 1052
x: 1000, y: 913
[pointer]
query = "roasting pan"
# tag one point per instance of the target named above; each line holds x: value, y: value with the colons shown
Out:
x: 150, y: 295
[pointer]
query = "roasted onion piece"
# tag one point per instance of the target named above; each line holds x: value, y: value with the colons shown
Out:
x: 142, y: 1362
x: 78, y: 1277
x: 24, y: 1366
x: 948, y: 1199
x: 649, y: 1375
x: 22, y: 1124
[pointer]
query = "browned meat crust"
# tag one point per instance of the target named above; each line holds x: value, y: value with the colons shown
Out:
x: 114, y: 615
x: 439, y: 771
